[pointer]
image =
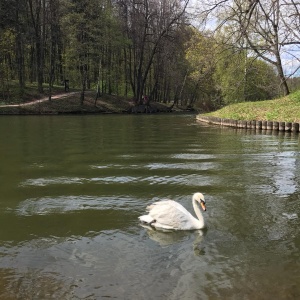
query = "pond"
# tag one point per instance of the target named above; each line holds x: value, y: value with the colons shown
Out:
x: 72, y: 188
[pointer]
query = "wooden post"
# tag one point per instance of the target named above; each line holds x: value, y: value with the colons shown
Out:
x: 244, y: 124
x: 288, y: 126
x: 281, y: 126
x: 275, y: 126
x: 258, y: 125
x: 295, y: 127
x: 269, y: 125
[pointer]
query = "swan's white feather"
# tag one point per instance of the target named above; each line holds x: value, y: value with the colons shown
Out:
x: 168, y: 214
x: 146, y: 219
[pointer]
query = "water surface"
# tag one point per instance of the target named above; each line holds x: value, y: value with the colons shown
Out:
x: 72, y: 188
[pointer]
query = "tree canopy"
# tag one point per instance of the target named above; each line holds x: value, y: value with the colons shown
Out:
x: 150, y: 47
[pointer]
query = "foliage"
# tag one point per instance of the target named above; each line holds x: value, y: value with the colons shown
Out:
x: 7, y: 53
x: 201, y: 56
x: 225, y: 75
x: 244, y: 78
x: 126, y: 48
x: 269, y: 29
x: 285, y: 109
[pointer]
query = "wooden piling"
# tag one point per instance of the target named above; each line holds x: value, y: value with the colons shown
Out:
x: 269, y: 125
x: 281, y: 126
x: 295, y: 127
x: 288, y: 126
x: 256, y: 125
x: 275, y: 126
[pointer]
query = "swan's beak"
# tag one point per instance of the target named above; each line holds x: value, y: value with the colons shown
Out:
x: 203, y: 205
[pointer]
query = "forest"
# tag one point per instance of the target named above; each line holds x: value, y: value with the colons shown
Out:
x: 194, y: 53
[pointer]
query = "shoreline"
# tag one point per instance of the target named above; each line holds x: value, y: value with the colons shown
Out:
x: 69, y: 103
x: 254, y: 124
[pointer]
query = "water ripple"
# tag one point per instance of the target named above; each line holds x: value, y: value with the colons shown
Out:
x: 182, y: 179
x: 182, y: 166
x: 65, y: 204
x: 52, y: 180
x: 113, y: 179
x: 193, y: 156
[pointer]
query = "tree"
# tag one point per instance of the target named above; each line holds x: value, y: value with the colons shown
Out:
x: 53, y: 40
x: 78, y: 30
x: 12, y: 26
x: 227, y: 74
x: 37, y: 18
x: 244, y: 78
x: 201, y: 55
x: 147, y: 24
x: 268, y: 28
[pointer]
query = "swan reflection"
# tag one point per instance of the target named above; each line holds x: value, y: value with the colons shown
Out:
x: 169, y: 237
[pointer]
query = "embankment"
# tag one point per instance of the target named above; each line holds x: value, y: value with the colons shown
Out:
x: 254, y: 124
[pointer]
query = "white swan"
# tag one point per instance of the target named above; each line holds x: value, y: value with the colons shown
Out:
x: 168, y: 214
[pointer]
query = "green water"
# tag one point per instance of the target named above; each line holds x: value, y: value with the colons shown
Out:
x: 72, y: 188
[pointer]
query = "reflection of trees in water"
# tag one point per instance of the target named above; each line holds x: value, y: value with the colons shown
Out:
x: 282, y: 177
x: 275, y: 157
x: 271, y: 182
x: 261, y: 176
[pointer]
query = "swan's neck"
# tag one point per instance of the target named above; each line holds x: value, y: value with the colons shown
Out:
x: 200, y: 221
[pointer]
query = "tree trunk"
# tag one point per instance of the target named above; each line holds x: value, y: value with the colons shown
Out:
x: 35, y: 12
x: 282, y: 77
x: 20, y: 54
x: 83, y: 71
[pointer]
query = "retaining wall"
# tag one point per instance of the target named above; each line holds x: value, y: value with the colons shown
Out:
x: 258, y: 125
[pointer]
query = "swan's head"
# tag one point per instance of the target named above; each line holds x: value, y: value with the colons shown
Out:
x: 200, y: 199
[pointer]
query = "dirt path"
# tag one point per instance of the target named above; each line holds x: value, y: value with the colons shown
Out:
x: 59, y: 96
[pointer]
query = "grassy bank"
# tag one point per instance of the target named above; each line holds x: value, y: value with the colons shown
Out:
x: 285, y: 109
x: 12, y: 94
x: 32, y: 102
x: 70, y: 104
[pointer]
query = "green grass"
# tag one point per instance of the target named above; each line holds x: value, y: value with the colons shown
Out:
x: 11, y: 93
x: 285, y: 109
